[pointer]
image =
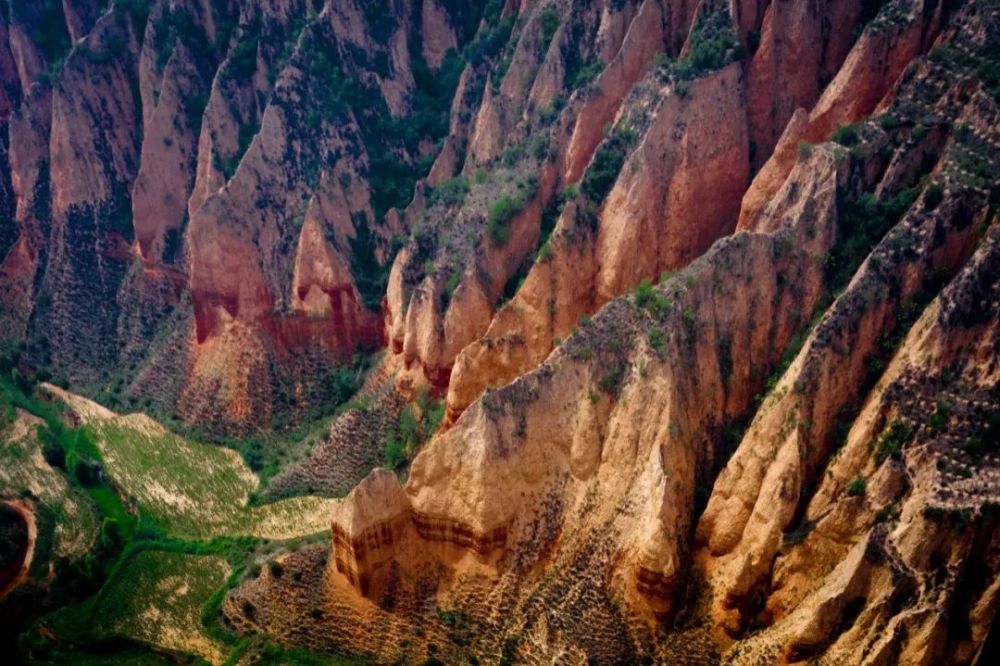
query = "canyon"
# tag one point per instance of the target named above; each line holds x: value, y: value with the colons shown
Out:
x: 599, y: 331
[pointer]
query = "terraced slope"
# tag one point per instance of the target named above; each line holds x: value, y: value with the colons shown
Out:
x: 194, y: 491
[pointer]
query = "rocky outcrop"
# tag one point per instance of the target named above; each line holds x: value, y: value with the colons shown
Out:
x: 367, y: 527
x: 687, y: 421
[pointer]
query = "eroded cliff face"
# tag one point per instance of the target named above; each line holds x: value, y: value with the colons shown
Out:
x: 669, y: 132
x: 219, y: 178
x: 675, y: 195
x: 785, y: 451
x: 718, y: 387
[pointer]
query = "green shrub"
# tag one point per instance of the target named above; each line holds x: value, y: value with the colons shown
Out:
x: 46, y: 29
x: 549, y: 21
x: 612, y: 379
x: 939, y: 419
x: 606, y: 164
x: 586, y: 74
x: 857, y: 486
x: 657, y: 341
x: 890, y: 443
x: 511, y: 155
x: 846, y: 135
x: 647, y: 298
x: 528, y: 186
x: 714, y: 45
x: 886, y: 513
x: 489, y: 41
x: 540, y: 146
x: 501, y: 214
x: 450, y: 193
x: 805, y: 150
x: 505, y: 209
x: 451, y: 284
x: 862, y: 224
x: 411, y: 431
x: 933, y: 196
x: 889, y: 122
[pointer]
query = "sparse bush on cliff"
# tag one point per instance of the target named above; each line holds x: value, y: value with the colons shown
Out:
x: 713, y: 45
x: 805, y: 150
x: 647, y: 298
x: 511, y: 155
x: 863, y: 223
x: 857, y: 486
x: 493, y: 37
x: 586, y: 74
x: 548, y: 18
x: 846, y: 135
x: 657, y: 341
x: 606, y: 164
x: 501, y: 213
x: 47, y: 31
x: 449, y: 193
x: 889, y: 122
x: 506, y: 208
x: 412, y: 430
x: 450, y: 285
x: 890, y: 442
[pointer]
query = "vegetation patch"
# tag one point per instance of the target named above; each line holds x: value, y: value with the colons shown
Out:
x: 649, y: 299
x: 713, y: 45
x: 157, y: 598
x: 413, y: 429
x: 890, y: 443
x: 607, y: 163
x: 503, y: 211
x: 450, y: 193
x: 196, y: 490
x: 862, y: 223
